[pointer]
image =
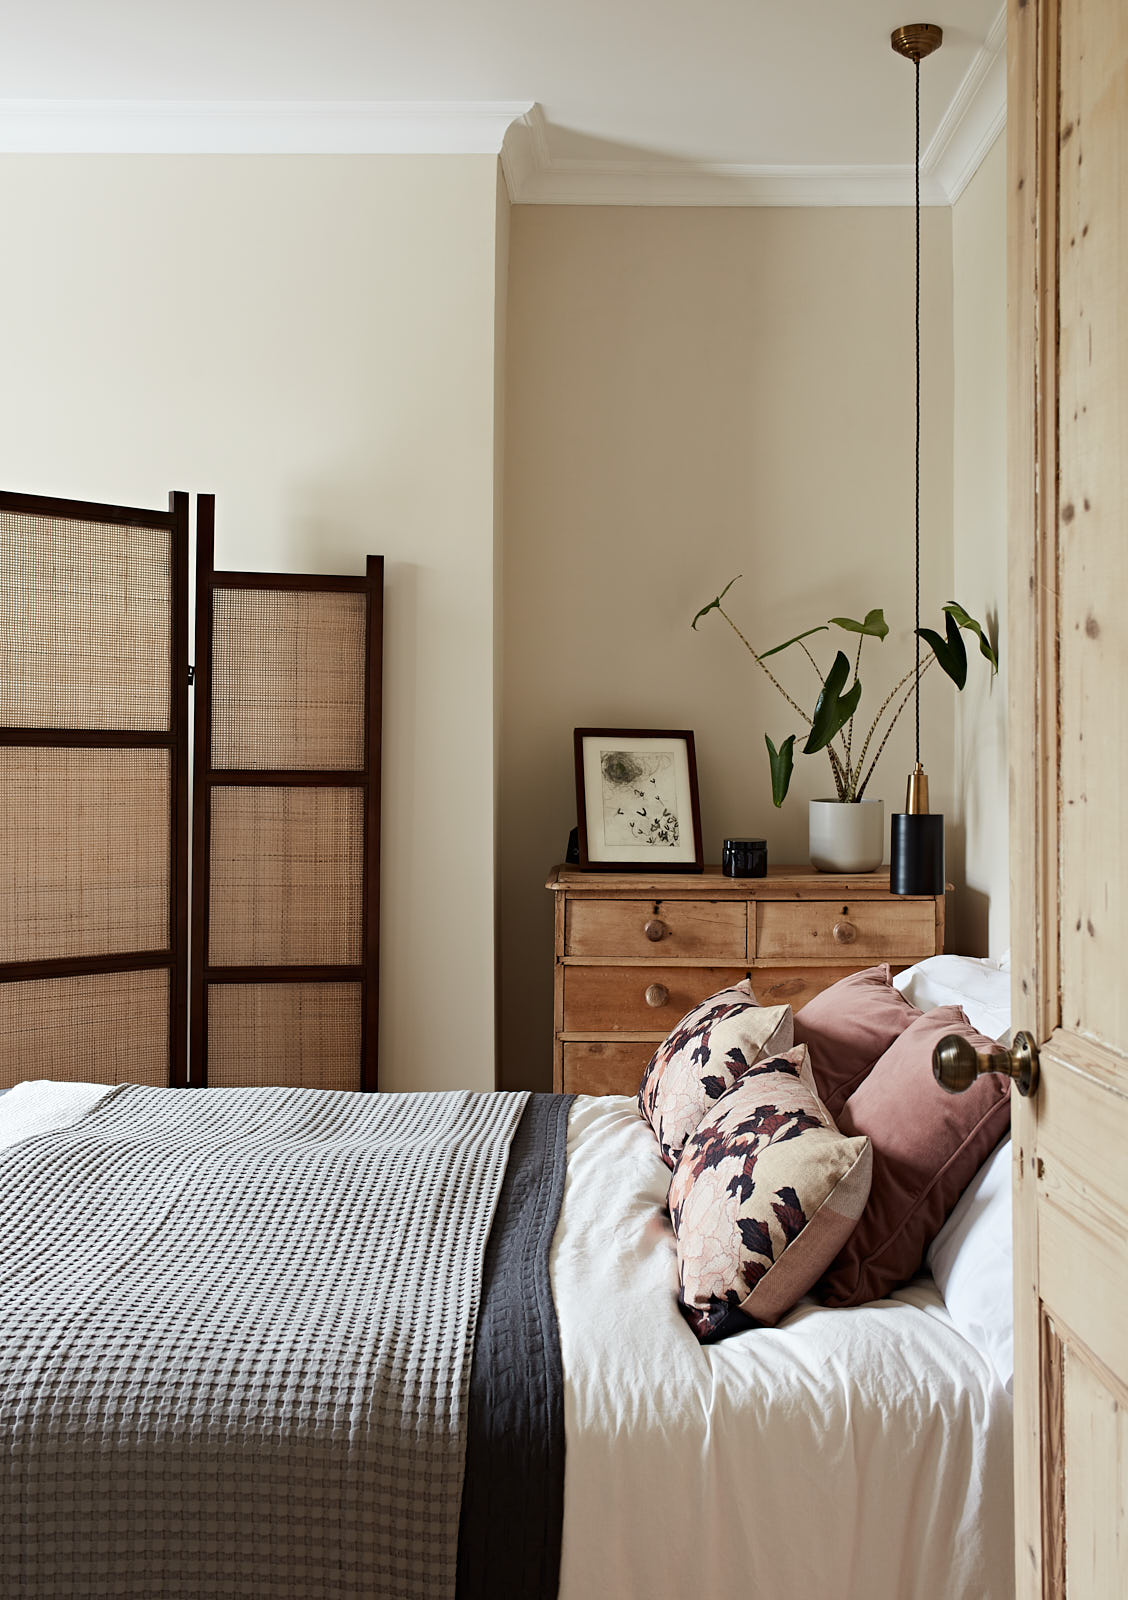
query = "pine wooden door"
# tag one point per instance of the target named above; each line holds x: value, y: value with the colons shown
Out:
x: 1068, y: 640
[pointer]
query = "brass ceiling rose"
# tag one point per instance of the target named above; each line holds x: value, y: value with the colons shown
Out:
x: 917, y: 40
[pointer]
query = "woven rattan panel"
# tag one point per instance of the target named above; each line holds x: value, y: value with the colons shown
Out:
x: 288, y: 679
x: 107, y: 1027
x: 286, y: 876
x: 84, y: 852
x: 302, y: 1034
x: 84, y: 624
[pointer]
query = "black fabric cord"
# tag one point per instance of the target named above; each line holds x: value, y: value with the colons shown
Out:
x: 916, y: 684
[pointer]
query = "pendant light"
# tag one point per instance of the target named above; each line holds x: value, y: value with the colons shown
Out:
x: 916, y: 853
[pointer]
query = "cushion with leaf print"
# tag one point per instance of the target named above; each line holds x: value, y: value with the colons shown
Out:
x: 764, y: 1196
x: 703, y: 1057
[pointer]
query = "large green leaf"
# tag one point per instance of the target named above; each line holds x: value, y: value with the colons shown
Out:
x: 833, y: 709
x: 715, y: 605
x: 782, y: 761
x: 775, y: 650
x: 965, y: 620
x: 949, y: 652
x: 874, y: 627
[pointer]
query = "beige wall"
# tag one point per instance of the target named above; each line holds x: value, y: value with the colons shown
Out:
x: 981, y: 920
x: 692, y: 394
x: 313, y: 338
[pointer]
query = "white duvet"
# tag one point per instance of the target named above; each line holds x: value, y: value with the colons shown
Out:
x: 859, y: 1455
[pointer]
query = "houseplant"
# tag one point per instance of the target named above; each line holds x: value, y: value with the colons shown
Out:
x: 832, y: 725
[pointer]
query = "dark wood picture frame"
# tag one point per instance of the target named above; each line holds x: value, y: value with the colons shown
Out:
x: 640, y: 779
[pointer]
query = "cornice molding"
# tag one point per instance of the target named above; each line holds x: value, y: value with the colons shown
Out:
x: 966, y: 133
x: 515, y: 130
x: 533, y: 177
x: 256, y: 127
x: 975, y: 118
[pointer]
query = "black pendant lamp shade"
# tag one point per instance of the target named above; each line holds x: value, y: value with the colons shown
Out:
x: 916, y: 845
x: 916, y: 853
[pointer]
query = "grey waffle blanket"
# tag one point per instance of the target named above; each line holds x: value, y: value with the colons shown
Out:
x: 235, y: 1340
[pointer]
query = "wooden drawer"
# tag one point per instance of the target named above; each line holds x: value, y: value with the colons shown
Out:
x: 691, y: 930
x: 794, y: 986
x: 829, y: 930
x: 604, y: 1000
x: 612, y: 1068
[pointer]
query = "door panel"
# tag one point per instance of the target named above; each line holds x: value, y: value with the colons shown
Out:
x: 1068, y: 181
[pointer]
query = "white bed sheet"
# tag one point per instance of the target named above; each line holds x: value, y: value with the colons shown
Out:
x: 862, y: 1454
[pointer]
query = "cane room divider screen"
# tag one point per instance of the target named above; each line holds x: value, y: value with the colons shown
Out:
x: 94, y: 791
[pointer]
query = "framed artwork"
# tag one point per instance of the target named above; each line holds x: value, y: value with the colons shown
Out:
x: 636, y: 795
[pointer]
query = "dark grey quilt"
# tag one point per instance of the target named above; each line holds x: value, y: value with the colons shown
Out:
x: 236, y: 1338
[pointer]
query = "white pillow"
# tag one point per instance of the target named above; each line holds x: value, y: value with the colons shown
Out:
x: 981, y: 987
x: 971, y: 1259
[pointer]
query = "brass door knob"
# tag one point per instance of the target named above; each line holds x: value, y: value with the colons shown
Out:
x: 655, y: 929
x: 845, y: 932
x: 956, y: 1063
x: 656, y: 995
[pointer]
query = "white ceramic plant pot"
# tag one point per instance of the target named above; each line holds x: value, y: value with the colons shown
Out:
x: 847, y: 837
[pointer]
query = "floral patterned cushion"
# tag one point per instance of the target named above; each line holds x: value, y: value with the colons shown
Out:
x: 703, y: 1057
x: 764, y: 1196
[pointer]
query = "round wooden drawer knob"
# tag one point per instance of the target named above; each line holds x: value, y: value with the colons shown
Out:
x: 657, y: 994
x: 845, y: 932
x: 655, y: 929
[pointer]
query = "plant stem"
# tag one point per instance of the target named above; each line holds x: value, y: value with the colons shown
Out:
x: 850, y: 724
x: 889, y: 698
x: 792, y: 703
x: 841, y: 779
x: 892, y: 723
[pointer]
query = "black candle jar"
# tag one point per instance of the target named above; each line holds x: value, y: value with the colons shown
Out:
x: 745, y: 858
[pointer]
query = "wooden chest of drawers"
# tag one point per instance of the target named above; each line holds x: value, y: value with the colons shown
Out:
x: 635, y: 953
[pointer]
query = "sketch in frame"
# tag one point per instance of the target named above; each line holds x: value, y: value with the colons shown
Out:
x: 637, y: 798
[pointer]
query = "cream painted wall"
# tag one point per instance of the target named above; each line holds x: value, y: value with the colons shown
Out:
x: 692, y: 394
x: 981, y: 913
x: 313, y: 338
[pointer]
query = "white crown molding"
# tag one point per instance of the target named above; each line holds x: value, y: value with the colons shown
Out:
x: 621, y: 183
x: 516, y: 130
x: 966, y: 133
x: 256, y: 127
x: 975, y: 118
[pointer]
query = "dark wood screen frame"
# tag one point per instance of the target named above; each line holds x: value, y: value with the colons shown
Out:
x: 175, y: 956
x: 206, y: 778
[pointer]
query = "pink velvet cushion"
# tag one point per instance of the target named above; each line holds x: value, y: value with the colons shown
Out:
x: 927, y: 1147
x: 847, y: 1027
x: 703, y: 1056
x: 764, y: 1195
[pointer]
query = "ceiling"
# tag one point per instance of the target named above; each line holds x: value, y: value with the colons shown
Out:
x: 630, y: 101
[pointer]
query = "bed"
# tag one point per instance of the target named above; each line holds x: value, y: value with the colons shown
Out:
x: 859, y: 1452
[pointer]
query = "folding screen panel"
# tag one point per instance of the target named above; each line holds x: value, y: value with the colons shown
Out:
x: 93, y: 791
x: 285, y: 927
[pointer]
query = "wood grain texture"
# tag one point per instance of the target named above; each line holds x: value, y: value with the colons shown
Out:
x: 780, y: 883
x: 607, y: 961
x: 1031, y: 444
x: 605, y: 1067
x: 691, y: 929
x: 1096, y: 1553
x: 1092, y: 555
x: 1053, y: 1461
x: 614, y: 998
x: 822, y: 930
x: 1068, y: 490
